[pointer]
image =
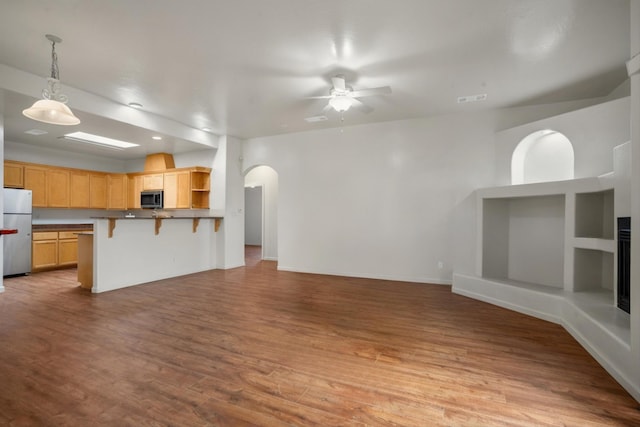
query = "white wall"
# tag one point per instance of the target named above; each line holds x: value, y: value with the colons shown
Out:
x: 2, y: 144
x: 634, y: 74
x: 227, y: 198
x: 34, y: 154
x: 136, y: 255
x: 377, y: 200
x: 267, y: 178
x: 593, y: 131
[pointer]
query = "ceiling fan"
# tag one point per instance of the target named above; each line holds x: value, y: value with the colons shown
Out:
x: 342, y: 97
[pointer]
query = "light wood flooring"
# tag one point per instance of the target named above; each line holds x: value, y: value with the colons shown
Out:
x: 254, y: 346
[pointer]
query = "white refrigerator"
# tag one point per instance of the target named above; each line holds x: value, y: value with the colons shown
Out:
x: 17, y: 247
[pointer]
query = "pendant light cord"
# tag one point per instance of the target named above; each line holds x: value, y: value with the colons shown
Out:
x: 55, y: 73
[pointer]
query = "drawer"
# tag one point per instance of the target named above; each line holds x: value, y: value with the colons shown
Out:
x: 45, y: 235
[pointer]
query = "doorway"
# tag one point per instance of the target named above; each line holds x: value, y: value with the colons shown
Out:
x: 261, y: 213
x: 253, y: 222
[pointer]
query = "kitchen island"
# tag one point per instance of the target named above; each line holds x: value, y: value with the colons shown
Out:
x: 132, y: 251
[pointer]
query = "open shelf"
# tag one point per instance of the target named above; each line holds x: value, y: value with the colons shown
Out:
x: 593, y: 270
x: 594, y: 214
x: 523, y: 239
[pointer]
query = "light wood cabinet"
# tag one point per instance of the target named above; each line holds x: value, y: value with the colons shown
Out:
x: 154, y: 181
x: 117, y: 188
x: 54, y: 249
x: 200, y: 184
x: 58, y: 187
x: 79, y: 189
x: 36, y: 181
x: 67, y: 248
x: 134, y: 189
x: 57, y: 181
x: 44, y: 250
x: 98, y: 191
x: 13, y: 175
x: 177, y: 188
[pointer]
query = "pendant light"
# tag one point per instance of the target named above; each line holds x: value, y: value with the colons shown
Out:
x: 52, y: 109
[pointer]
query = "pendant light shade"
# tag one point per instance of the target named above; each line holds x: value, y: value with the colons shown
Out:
x: 52, y: 108
x: 52, y: 112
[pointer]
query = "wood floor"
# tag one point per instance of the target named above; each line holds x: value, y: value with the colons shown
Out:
x: 255, y: 346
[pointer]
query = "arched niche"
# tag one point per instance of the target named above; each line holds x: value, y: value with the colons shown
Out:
x: 542, y: 156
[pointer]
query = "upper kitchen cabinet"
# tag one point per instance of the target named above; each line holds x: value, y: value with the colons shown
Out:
x: 98, y: 191
x: 79, y: 184
x: 35, y: 179
x: 176, y: 190
x: 13, y: 175
x: 134, y: 188
x: 200, y: 184
x: 153, y: 181
x: 57, y: 181
x: 117, y: 189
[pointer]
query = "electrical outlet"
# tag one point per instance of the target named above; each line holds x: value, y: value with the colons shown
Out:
x: 440, y: 265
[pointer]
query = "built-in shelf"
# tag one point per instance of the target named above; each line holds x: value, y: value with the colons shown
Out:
x: 604, y: 245
x: 594, y: 214
x: 593, y: 270
x: 554, y: 234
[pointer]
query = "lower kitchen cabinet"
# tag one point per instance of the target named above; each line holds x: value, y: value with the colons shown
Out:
x: 54, y: 249
x: 45, y: 250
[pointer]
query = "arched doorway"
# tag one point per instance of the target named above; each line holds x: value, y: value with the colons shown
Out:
x: 261, y: 210
x: 542, y: 156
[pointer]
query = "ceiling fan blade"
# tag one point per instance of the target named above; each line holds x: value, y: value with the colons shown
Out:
x: 385, y: 90
x: 338, y: 83
x: 319, y: 97
x: 359, y: 105
x: 327, y: 108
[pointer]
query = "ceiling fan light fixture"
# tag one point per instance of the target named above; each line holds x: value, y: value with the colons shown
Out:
x: 52, y: 109
x: 340, y: 103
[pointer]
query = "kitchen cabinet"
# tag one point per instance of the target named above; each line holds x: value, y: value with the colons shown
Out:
x: 98, y: 191
x: 117, y: 188
x: 177, y: 187
x: 67, y: 248
x: 154, y: 181
x: 36, y: 181
x: 200, y: 184
x: 13, y: 175
x: 57, y: 185
x: 134, y: 189
x: 54, y: 249
x: 79, y: 189
x: 44, y: 250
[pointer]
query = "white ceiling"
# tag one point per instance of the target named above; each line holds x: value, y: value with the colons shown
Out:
x: 245, y: 67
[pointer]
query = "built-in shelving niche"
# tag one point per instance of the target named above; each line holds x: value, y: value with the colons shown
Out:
x: 593, y: 271
x: 594, y: 215
x: 523, y: 239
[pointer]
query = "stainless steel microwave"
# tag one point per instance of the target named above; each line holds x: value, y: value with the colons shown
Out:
x: 152, y: 199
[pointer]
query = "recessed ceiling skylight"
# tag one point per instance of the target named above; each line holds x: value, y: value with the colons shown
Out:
x: 99, y: 140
